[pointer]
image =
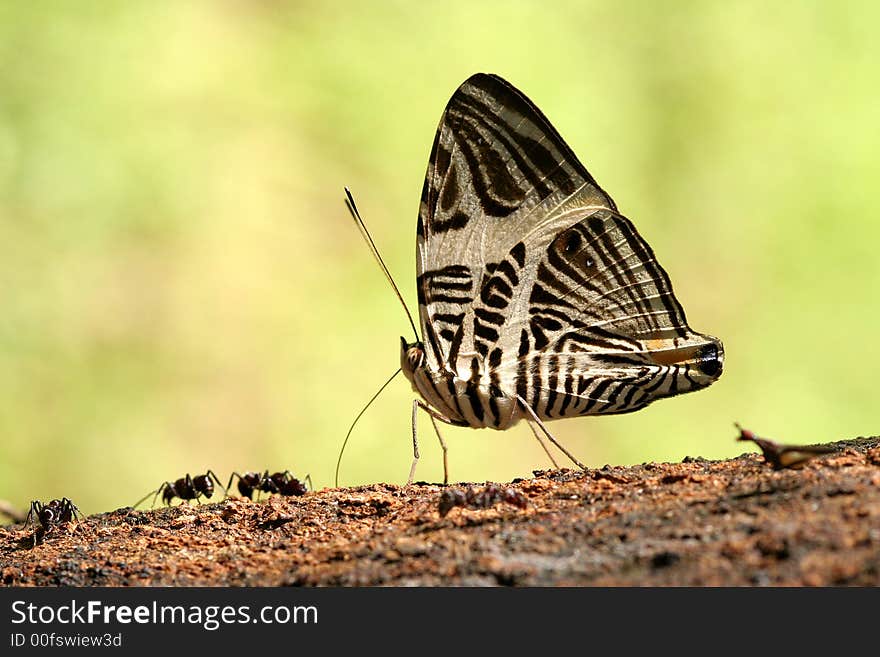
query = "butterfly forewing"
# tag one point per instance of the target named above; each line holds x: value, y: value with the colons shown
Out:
x: 531, y: 286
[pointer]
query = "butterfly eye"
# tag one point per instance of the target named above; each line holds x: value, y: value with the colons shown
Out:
x: 415, y: 356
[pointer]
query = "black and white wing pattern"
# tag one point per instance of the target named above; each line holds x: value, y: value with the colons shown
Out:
x: 532, y: 288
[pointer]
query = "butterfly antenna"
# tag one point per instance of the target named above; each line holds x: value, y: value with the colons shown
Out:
x: 352, y: 208
x: 351, y: 428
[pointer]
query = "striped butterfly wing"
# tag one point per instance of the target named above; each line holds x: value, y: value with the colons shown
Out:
x: 531, y: 283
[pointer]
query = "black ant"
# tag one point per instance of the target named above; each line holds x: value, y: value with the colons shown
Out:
x: 247, y: 483
x: 286, y: 484
x: 53, y: 513
x: 477, y: 498
x: 186, y: 488
x: 283, y: 483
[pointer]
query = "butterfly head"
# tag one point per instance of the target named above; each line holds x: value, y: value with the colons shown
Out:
x: 412, y: 357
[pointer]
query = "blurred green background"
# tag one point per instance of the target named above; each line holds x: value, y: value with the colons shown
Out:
x: 182, y: 287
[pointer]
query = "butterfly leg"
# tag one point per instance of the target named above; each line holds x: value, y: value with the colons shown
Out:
x: 443, y: 447
x: 412, y: 468
x: 523, y: 404
x: 542, y: 443
x: 434, y: 415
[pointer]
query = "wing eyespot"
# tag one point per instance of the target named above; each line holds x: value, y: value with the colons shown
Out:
x: 572, y: 243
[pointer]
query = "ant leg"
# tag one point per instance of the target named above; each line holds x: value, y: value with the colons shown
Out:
x: 138, y: 503
x: 154, y: 493
x: 264, y: 487
x: 33, y: 513
x: 73, y: 508
x: 308, y: 479
x: 32, y: 516
x: 164, y: 488
x: 214, y: 477
x: 190, y: 488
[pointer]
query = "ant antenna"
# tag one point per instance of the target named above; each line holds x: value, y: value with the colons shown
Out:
x: 352, y: 208
x: 363, y: 410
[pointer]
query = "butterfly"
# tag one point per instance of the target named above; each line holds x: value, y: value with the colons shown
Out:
x: 537, y: 299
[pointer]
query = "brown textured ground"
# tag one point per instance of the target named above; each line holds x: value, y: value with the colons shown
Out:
x: 735, y: 522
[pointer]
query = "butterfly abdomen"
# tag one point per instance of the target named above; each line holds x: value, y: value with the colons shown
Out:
x: 464, y: 401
